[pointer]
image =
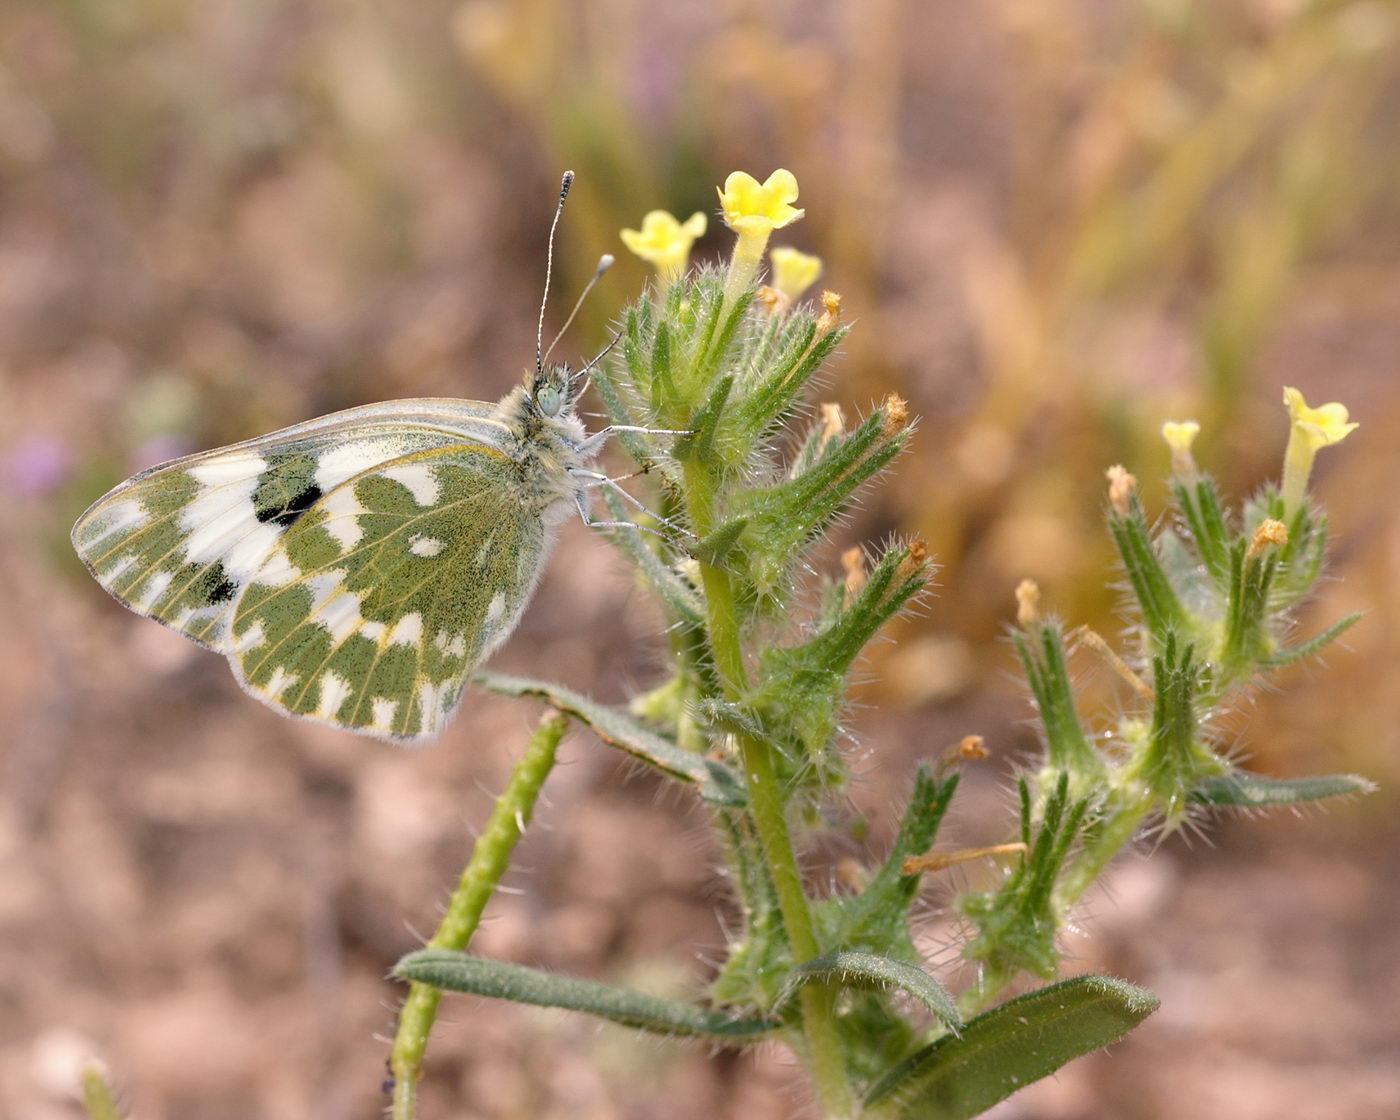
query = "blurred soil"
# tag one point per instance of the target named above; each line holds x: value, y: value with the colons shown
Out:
x: 221, y: 220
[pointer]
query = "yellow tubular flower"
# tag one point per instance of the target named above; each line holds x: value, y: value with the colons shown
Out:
x: 1179, y: 436
x: 751, y: 206
x: 665, y: 243
x: 754, y: 210
x: 793, y: 271
x: 1313, y: 429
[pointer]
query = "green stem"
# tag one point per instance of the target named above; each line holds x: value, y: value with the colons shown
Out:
x: 1116, y: 833
x: 816, y: 1001
x: 489, y: 860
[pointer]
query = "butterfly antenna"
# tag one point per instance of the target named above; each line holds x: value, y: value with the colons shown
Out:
x: 584, y: 372
x: 605, y: 262
x: 565, y: 184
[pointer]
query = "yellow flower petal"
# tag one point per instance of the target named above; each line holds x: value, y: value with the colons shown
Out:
x: 794, y: 271
x: 1180, y: 435
x: 1320, y: 427
x: 753, y: 207
x: 1313, y: 429
x: 665, y: 242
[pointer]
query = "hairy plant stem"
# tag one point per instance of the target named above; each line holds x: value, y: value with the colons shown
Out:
x: 816, y: 1001
x: 489, y: 860
x: 1116, y: 833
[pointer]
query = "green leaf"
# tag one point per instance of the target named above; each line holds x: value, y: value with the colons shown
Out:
x: 1008, y: 1048
x: 674, y: 591
x: 718, y: 784
x: 699, y: 440
x: 462, y: 972
x: 866, y: 970
x: 877, y: 918
x: 1161, y: 609
x: 716, y: 547
x: 1251, y: 791
x: 1309, y: 646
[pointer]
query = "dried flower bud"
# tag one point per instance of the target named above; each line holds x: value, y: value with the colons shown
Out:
x: 915, y: 561
x: 1121, y: 487
x: 972, y: 748
x: 896, y: 415
x: 831, y: 314
x: 1027, y: 603
x: 1270, y: 533
x: 770, y: 300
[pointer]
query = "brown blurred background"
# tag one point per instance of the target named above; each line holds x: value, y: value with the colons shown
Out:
x: 1056, y: 222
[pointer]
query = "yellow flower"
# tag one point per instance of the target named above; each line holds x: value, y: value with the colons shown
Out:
x: 794, y: 271
x: 1313, y: 429
x: 664, y: 242
x: 1321, y: 426
x: 752, y: 207
x: 1180, y: 435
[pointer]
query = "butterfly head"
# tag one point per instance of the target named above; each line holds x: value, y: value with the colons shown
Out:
x: 553, y: 390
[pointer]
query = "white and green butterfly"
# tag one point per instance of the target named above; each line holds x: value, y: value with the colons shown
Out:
x: 355, y: 568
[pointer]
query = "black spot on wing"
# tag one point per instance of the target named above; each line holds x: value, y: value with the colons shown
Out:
x: 297, y: 505
x: 286, y: 489
x: 216, y: 586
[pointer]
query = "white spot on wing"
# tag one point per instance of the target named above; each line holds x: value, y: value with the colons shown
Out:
x: 121, y: 516
x: 372, y: 630
x: 281, y: 681
x: 409, y: 631
x: 336, y: 464
x: 277, y: 570
x: 222, y: 522
x: 341, y: 616
x: 240, y: 467
x: 249, y: 553
x: 496, y: 609
x: 120, y: 566
x: 156, y: 586
x: 334, y: 690
x: 384, y: 712
x: 250, y: 638
x: 419, y: 479
x: 425, y: 546
x: 435, y: 703
x: 453, y: 645
x: 342, y: 515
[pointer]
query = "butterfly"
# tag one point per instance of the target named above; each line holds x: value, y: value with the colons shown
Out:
x: 355, y: 568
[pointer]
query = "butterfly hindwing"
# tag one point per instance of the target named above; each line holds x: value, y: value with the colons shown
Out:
x: 388, y: 589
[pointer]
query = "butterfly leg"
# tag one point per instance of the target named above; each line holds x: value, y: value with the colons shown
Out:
x: 585, y: 517
x: 596, y: 479
x: 594, y: 442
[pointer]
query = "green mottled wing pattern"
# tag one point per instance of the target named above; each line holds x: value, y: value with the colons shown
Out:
x: 375, y: 604
x: 178, y: 542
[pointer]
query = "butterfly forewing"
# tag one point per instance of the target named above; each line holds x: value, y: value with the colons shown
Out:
x: 381, y: 596
x: 178, y: 542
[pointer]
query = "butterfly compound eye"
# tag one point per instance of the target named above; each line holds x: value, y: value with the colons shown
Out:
x: 549, y: 399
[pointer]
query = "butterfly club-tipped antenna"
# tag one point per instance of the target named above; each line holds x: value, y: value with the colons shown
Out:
x: 564, y: 185
x: 605, y: 262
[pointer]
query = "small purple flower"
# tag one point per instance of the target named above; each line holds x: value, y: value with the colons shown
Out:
x: 37, y: 465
